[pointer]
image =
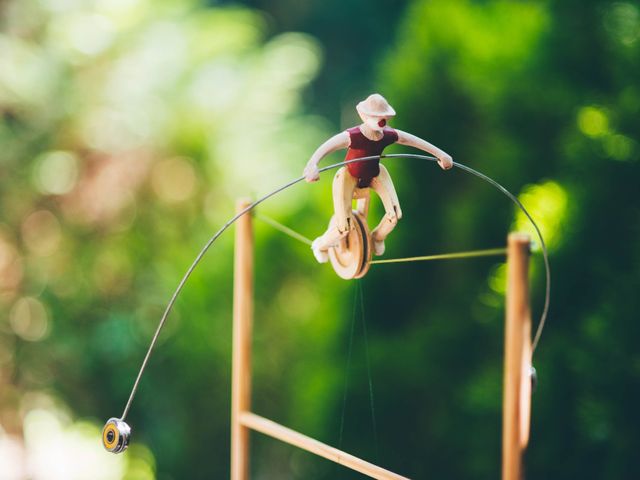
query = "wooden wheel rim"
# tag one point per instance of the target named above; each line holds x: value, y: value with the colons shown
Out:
x: 350, y: 259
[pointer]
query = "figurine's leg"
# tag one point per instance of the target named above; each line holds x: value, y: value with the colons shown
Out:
x: 362, y: 197
x: 383, y: 186
x: 343, y: 187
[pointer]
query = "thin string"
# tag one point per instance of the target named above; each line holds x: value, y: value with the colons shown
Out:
x: 348, y: 369
x: 369, y: 376
x: 278, y: 190
x: 358, y: 300
x: 444, y: 256
x: 282, y: 228
x: 492, y: 252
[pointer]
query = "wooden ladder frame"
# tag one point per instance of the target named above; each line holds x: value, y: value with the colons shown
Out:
x: 517, y: 354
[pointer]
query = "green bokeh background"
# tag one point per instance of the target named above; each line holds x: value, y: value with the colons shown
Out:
x: 128, y: 129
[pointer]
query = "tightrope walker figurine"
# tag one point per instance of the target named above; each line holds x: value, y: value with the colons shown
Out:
x: 354, y: 180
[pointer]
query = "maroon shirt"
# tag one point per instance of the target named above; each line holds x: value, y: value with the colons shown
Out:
x: 361, y: 146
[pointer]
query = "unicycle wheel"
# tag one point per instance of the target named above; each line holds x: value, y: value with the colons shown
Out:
x: 352, y: 256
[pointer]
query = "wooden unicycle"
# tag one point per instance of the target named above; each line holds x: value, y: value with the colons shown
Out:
x: 351, y: 258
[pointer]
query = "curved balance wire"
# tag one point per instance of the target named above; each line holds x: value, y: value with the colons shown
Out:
x: 288, y: 185
x: 204, y: 249
x: 543, y: 246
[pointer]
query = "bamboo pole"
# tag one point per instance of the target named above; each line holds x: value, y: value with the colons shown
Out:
x: 284, y: 434
x: 242, y: 332
x: 517, y: 347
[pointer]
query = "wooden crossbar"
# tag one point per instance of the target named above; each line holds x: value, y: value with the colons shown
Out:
x: 284, y: 434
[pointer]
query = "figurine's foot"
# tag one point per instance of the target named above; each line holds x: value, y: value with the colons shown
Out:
x: 322, y: 256
x: 378, y: 247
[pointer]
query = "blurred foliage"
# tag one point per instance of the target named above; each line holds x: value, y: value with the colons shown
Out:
x: 128, y: 129
x: 355, y: 34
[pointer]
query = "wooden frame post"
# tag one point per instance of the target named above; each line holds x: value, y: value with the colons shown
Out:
x: 517, y: 383
x: 242, y: 333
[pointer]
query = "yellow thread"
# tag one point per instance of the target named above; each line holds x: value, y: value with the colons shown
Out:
x: 283, y: 228
x: 445, y: 256
x: 470, y: 254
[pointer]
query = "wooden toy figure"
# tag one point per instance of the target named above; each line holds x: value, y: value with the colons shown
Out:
x: 350, y: 252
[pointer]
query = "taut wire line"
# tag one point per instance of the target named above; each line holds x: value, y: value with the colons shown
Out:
x: 283, y: 228
x: 444, y: 256
x: 491, y: 252
x: 295, y: 181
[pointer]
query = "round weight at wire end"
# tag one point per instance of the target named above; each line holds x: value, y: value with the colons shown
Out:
x: 115, y: 435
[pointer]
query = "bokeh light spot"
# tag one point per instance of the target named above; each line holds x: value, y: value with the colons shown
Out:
x: 61, y: 449
x: 41, y: 232
x: 7, y: 253
x: 90, y: 33
x: 29, y: 319
x: 619, y: 147
x: 10, y: 451
x: 548, y: 204
x: 593, y: 121
x: 11, y: 271
x: 56, y: 172
x: 173, y: 180
x: 498, y: 279
x: 622, y: 21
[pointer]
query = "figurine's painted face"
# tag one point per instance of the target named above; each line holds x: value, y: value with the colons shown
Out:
x: 375, y: 123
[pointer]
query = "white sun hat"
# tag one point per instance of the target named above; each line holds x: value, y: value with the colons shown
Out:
x: 375, y: 106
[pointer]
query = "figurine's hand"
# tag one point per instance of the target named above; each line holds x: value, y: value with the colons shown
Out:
x: 311, y: 173
x: 445, y: 161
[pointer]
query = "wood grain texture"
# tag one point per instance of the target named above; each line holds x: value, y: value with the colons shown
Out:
x: 284, y: 434
x: 242, y: 333
x: 517, y: 331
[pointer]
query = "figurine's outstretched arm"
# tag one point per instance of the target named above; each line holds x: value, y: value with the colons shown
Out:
x: 337, y: 142
x: 444, y: 159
